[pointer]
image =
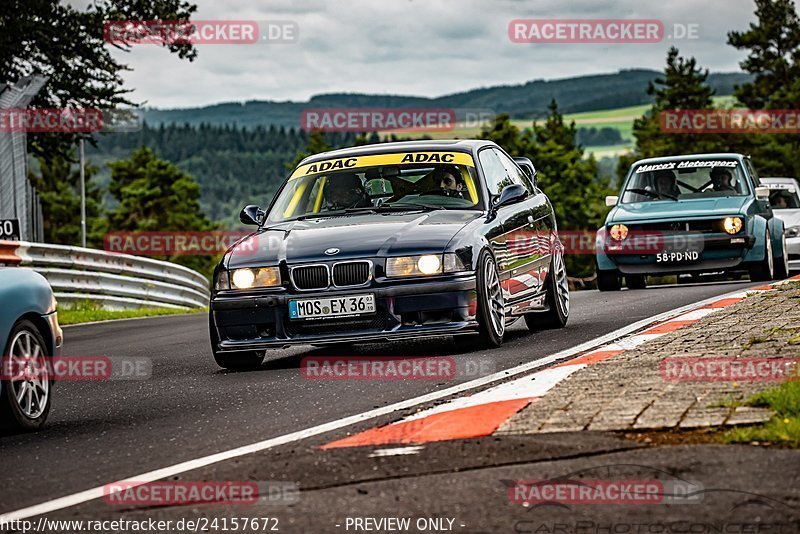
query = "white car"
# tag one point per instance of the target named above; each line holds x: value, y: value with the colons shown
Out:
x: 784, y: 197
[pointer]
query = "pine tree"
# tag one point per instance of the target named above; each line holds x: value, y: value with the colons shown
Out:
x: 681, y: 87
x: 155, y: 195
x: 316, y: 144
x: 58, y: 185
x: 773, y: 43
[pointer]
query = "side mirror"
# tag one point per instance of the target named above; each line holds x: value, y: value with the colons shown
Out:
x: 762, y: 193
x: 612, y: 200
x: 511, y: 194
x: 252, y: 215
x: 527, y: 166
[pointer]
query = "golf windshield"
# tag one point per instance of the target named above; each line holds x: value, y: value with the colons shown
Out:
x: 687, y: 179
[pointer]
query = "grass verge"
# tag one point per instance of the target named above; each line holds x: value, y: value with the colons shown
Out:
x: 784, y: 427
x: 68, y: 316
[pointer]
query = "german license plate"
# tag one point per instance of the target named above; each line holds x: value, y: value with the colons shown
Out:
x: 344, y: 306
x: 675, y: 257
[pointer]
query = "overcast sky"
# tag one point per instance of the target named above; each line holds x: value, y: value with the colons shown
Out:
x: 416, y: 47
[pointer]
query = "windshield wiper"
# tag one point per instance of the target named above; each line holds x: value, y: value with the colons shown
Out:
x: 411, y: 205
x: 651, y: 194
x: 336, y: 213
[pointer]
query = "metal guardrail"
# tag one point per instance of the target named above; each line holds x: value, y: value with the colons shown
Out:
x: 116, y: 281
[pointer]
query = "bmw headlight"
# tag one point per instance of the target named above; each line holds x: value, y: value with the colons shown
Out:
x: 732, y: 225
x: 222, y: 280
x: 424, y: 265
x: 793, y: 231
x: 255, y: 278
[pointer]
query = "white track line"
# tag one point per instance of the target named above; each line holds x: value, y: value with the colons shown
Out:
x: 527, y: 387
x: 190, y: 465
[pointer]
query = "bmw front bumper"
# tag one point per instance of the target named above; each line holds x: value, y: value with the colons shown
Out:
x: 403, y: 310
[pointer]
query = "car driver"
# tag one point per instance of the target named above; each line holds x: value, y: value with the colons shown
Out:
x: 721, y: 180
x: 345, y: 190
x: 450, y: 181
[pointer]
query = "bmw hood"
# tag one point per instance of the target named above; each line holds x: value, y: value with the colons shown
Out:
x: 349, y: 237
x: 658, y: 210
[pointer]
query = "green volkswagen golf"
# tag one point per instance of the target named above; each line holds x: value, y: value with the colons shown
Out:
x: 690, y: 214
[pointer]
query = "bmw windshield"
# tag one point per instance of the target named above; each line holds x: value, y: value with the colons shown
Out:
x: 377, y: 188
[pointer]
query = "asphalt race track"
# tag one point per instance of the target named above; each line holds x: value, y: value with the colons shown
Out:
x: 100, y: 432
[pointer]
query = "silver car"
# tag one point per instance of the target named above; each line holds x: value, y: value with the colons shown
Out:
x: 784, y: 197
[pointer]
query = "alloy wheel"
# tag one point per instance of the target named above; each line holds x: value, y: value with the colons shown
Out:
x: 494, y: 295
x: 29, y: 378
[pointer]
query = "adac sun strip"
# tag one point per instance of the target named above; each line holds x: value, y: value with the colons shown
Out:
x: 407, y: 158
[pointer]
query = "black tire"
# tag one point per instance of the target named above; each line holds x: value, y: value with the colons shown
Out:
x: 636, y: 281
x: 235, y: 361
x: 608, y: 281
x: 239, y: 361
x: 782, y: 264
x: 557, y: 299
x: 14, y: 416
x: 491, y: 305
x: 764, y: 270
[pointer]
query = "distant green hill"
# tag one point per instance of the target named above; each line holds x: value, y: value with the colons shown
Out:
x: 525, y: 101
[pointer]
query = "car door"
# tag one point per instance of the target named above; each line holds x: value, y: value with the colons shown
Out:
x: 517, y: 247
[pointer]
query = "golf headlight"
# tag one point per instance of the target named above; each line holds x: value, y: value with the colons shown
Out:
x: 732, y: 225
x: 619, y: 232
x: 424, y: 265
x: 251, y: 278
x: 793, y: 231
